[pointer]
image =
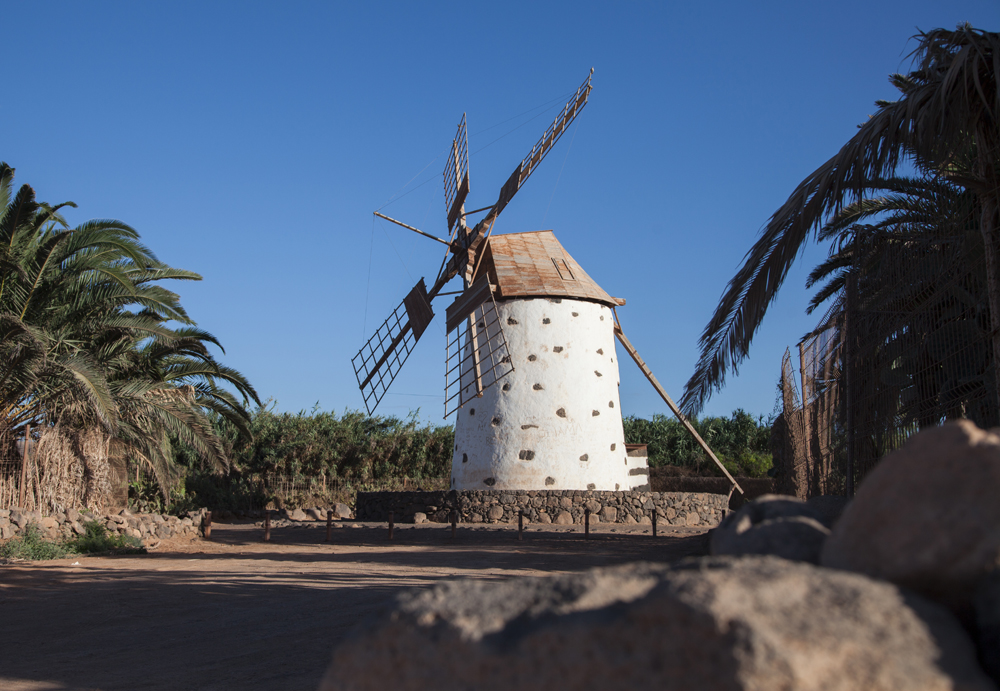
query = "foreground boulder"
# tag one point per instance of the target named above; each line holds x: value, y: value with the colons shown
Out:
x: 773, y: 524
x: 928, y: 516
x: 829, y: 507
x: 987, y: 627
x: 718, y: 623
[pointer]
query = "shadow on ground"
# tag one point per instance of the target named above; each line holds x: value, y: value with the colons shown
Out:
x: 240, y: 614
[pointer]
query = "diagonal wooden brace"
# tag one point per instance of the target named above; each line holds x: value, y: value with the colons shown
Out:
x: 670, y: 403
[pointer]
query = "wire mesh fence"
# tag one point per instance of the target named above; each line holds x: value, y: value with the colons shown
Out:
x: 907, y: 345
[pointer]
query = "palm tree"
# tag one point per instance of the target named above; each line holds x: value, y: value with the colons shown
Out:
x: 87, y: 342
x: 920, y: 318
x: 948, y: 116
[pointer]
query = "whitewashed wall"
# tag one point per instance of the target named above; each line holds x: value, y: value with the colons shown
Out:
x: 555, y: 421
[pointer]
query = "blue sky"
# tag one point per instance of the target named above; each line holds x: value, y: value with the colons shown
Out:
x: 250, y: 142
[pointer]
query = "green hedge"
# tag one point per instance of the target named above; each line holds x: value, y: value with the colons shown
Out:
x: 359, y: 449
x: 741, y: 442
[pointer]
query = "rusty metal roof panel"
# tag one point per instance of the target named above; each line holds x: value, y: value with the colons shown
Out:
x: 535, y: 265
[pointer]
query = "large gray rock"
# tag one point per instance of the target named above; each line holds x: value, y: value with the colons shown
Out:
x: 829, y: 507
x: 771, y: 506
x: 19, y: 518
x: 927, y: 516
x: 797, y: 538
x: 987, y: 606
x: 298, y: 515
x: 342, y: 511
x: 719, y: 623
x: 772, y: 524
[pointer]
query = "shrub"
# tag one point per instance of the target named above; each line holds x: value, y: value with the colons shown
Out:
x: 31, y: 545
x: 97, y: 540
x: 741, y: 442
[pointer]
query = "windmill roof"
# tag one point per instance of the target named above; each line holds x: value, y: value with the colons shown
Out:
x: 534, y: 264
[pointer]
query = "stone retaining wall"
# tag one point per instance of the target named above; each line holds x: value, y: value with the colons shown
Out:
x: 661, y: 480
x: 67, y: 524
x: 563, y: 507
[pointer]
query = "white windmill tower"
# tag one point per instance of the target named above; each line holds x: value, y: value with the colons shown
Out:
x: 531, y: 367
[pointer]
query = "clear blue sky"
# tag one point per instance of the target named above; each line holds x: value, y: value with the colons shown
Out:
x: 250, y: 142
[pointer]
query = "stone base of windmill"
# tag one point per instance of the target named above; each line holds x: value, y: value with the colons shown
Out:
x: 561, y: 507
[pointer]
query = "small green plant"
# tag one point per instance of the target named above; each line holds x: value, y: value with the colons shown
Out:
x: 32, y: 545
x: 97, y: 540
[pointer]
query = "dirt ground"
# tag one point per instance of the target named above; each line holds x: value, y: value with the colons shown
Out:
x: 237, y: 613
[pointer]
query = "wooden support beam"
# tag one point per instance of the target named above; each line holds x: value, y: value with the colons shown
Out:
x: 24, y: 468
x: 670, y: 403
x: 477, y: 366
x: 385, y: 356
x: 415, y: 230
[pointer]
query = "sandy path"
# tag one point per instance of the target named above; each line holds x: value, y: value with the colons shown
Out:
x: 235, y: 613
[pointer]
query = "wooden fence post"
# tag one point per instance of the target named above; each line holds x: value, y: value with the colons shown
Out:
x: 520, y: 524
x: 24, y: 468
x: 329, y: 524
x: 454, y: 522
x: 207, y: 525
x: 586, y: 523
x: 391, y: 523
x: 267, y: 525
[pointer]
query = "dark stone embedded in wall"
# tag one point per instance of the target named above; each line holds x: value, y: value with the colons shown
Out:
x: 542, y: 506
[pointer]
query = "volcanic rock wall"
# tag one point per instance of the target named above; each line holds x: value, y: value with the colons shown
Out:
x: 564, y: 507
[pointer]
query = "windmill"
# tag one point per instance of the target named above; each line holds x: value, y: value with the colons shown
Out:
x: 380, y: 360
x: 530, y: 360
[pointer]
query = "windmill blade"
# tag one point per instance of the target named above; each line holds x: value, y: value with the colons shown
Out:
x: 456, y: 175
x: 476, y: 355
x: 379, y: 361
x: 544, y: 145
x: 463, y: 262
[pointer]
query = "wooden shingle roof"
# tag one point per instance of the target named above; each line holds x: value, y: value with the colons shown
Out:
x: 535, y: 265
